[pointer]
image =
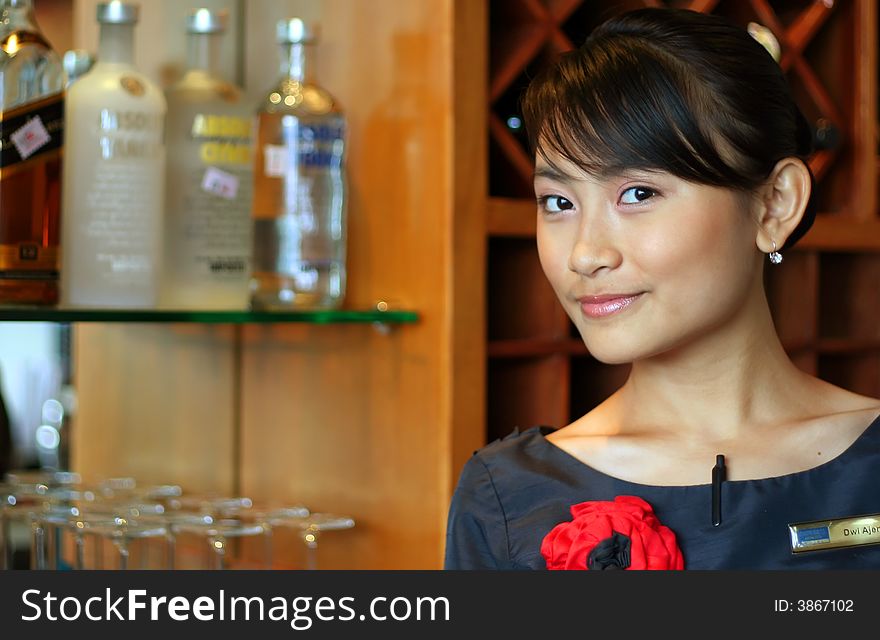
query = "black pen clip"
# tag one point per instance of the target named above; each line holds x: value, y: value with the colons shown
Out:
x: 719, y: 475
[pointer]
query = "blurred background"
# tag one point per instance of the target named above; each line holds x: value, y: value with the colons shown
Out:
x: 374, y: 424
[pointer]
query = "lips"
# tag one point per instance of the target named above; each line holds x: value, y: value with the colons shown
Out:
x: 607, y: 305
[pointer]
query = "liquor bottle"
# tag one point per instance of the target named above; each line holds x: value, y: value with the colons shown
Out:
x: 207, y: 245
x: 114, y: 177
x: 77, y: 63
x: 299, y: 205
x: 31, y: 143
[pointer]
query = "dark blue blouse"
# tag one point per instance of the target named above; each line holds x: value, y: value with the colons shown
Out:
x: 512, y: 492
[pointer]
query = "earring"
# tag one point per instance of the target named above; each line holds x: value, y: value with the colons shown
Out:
x: 775, y: 256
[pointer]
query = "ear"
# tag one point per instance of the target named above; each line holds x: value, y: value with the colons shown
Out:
x: 782, y: 201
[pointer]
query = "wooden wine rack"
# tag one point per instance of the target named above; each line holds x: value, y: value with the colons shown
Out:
x: 825, y: 298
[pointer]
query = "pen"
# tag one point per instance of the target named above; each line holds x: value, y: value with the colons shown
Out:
x: 719, y: 473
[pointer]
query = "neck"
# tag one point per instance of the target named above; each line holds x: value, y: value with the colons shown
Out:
x: 18, y: 12
x: 296, y: 63
x: 20, y: 5
x: 116, y: 44
x: 718, y: 387
x: 204, y: 52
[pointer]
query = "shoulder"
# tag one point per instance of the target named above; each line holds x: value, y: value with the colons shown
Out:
x: 511, y: 445
x: 477, y: 535
x: 506, y: 465
x: 518, y: 452
x: 500, y: 467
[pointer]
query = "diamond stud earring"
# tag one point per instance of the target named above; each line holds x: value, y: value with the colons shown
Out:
x: 775, y: 256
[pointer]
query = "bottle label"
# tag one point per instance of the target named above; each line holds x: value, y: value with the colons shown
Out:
x: 207, y: 220
x: 31, y: 132
x: 299, y: 169
x: 224, y: 140
x: 133, y: 86
x: 129, y: 135
x: 319, y: 147
x: 220, y: 183
x: 28, y: 261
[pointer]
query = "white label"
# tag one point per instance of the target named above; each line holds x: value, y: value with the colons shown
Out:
x: 220, y: 183
x: 275, y: 160
x: 30, y: 138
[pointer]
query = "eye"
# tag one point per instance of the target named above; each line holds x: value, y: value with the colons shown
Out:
x: 555, y: 204
x: 636, y: 195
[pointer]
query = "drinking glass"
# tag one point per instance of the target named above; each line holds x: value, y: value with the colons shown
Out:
x: 310, y: 528
x: 214, y: 535
x: 125, y: 535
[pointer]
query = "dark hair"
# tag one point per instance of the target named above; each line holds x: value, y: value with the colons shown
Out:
x: 671, y: 90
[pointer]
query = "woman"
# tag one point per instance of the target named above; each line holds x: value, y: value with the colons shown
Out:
x: 669, y: 166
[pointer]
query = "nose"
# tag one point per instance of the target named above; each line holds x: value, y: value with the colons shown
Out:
x: 593, y: 251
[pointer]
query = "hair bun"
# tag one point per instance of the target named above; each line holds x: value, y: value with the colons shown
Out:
x: 804, y: 134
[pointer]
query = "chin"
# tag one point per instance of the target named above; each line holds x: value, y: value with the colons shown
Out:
x: 607, y: 353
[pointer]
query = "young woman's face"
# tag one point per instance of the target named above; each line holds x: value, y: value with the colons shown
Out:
x: 645, y: 262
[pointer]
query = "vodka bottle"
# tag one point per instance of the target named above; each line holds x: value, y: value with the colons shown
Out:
x: 299, y: 205
x: 31, y: 143
x: 209, y: 180
x: 114, y: 175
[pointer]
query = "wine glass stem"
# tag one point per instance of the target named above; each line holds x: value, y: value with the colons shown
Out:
x: 122, y: 547
x: 38, y: 547
x: 219, y: 547
x: 80, y: 551
x: 172, y: 545
x: 268, y: 547
x: 5, y: 541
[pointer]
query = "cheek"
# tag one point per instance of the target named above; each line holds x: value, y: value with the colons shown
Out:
x: 553, y: 255
x: 702, y: 259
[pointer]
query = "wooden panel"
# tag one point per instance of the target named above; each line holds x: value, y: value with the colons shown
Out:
x: 858, y: 373
x: 342, y: 418
x: 792, y: 291
x: 849, y: 294
x: 55, y: 18
x: 499, y: 349
x: 521, y: 302
x: 843, y: 233
x: 806, y: 361
x: 155, y: 403
x: 467, y: 405
x: 527, y: 392
x: 866, y: 130
x: 592, y: 382
x: 511, y: 217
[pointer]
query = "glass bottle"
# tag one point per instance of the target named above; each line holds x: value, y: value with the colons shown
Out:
x: 31, y: 142
x: 209, y: 180
x: 114, y: 177
x: 299, y: 205
x: 77, y: 63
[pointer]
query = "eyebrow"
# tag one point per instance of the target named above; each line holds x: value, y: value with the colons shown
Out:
x: 552, y: 174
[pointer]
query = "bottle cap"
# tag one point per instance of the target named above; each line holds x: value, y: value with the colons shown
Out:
x: 118, y: 13
x: 295, y: 31
x: 206, y: 21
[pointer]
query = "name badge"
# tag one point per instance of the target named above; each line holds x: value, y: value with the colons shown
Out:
x: 833, y: 534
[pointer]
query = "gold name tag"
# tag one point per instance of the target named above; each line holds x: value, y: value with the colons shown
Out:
x: 832, y: 534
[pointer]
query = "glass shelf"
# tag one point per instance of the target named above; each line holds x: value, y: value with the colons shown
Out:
x: 54, y: 314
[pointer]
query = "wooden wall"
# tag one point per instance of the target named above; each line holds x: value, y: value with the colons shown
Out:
x: 341, y: 418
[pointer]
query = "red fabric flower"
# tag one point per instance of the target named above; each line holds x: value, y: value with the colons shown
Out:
x: 624, y: 534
